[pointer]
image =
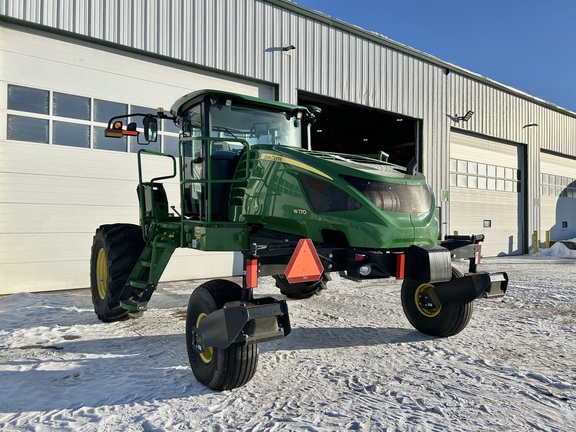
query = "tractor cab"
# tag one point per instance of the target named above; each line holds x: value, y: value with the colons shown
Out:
x: 216, y: 130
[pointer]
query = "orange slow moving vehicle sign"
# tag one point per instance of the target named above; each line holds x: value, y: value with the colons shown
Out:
x: 305, y: 265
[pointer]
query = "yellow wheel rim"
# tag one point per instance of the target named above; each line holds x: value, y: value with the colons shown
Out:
x: 208, y: 353
x: 102, y: 273
x: 428, y: 313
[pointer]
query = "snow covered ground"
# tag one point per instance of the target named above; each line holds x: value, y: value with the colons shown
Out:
x: 352, y: 362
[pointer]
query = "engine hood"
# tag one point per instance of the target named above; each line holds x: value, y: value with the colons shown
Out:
x: 329, y: 165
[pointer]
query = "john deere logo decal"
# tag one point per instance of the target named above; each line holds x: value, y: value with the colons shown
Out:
x: 293, y: 162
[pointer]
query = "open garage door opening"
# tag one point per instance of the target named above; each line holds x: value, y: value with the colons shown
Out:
x: 344, y: 127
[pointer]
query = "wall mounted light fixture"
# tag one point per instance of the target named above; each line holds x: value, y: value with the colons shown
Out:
x: 466, y: 116
x: 288, y: 48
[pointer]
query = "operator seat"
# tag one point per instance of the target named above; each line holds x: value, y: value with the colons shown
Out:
x: 224, y: 163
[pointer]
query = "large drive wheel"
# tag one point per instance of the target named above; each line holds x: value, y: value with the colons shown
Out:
x: 218, y: 369
x: 115, y: 250
x: 446, y: 320
x: 302, y: 290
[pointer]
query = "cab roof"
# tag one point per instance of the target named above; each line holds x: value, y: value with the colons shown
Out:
x: 185, y: 102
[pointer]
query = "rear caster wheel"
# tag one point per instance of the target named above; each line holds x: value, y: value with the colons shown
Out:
x: 302, y: 290
x: 446, y: 320
x: 218, y: 369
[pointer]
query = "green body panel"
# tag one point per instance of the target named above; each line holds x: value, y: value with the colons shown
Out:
x: 217, y: 236
x: 274, y: 197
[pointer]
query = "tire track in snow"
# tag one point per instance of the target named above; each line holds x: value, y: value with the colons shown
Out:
x: 352, y: 363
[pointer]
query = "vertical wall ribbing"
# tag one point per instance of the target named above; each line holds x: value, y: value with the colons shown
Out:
x: 245, y: 37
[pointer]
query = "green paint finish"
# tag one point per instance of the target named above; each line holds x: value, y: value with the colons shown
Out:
x: 146, y: 274
x: 218, y: 237
x: 312, y: 194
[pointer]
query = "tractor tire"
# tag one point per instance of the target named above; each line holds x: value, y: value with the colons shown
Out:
x: 301, y: 290
x: 115, y: 251
x: 216, y: 368
x: 447, y: 320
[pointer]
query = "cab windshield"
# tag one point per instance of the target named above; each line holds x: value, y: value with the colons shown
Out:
x: 256, y: 126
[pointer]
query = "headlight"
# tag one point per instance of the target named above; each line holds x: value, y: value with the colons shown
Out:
x: 392, y: 197
x: 386, y: 200
x: 325, y: 197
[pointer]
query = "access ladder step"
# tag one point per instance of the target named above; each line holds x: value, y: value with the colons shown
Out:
x: 138, y: 285
x: 132, y: 306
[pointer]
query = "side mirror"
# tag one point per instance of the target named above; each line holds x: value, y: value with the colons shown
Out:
x: 313, y: 112
x: 150, y: 128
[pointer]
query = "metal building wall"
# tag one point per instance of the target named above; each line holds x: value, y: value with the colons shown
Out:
x: 245, y: 37
x: 505, y: 115
x: 332, y: 58
x: 512, y: 117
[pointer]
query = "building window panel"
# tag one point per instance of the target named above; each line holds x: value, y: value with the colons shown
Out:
x: 135, y: 147
x: 171, y: 146
x: 169, y: 126
x: 71, y: 134
x: 481, y: 169
x: 102, y: 142
x: 27, y: 129
x: 104, y: 110
x: 28, y: 99
x: 137, y: 109
x: 66, y: 105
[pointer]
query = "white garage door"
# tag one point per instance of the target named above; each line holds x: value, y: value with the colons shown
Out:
x: 59, y: 177
x: 486, y: 193
x: 558, y: 196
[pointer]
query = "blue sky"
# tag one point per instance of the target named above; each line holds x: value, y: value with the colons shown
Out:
x: 526, y: 44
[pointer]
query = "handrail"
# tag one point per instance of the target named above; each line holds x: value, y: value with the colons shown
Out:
x: 208, y: 178
x: 155, y: 179
x: 152, y: 152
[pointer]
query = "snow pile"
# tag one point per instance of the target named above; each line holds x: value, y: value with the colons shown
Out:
x: 558, y: 250
x: 352, y: 362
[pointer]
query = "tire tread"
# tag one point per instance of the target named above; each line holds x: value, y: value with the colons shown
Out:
x: 239, y: 362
